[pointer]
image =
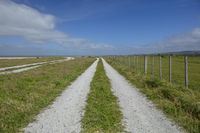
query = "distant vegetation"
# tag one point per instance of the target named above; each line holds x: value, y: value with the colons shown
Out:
x: 194, y: 53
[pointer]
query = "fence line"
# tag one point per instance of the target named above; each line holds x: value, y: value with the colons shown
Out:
x: 137, y: 64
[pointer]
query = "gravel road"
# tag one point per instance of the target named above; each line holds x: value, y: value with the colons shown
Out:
x: 22, y: 66
x: 64, y: 115
x: 26, y: 67
x: 20, y: 70
x: 14, y: 58
x: 140, y: 115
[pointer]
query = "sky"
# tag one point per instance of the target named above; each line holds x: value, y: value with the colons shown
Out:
x: 98, y: 27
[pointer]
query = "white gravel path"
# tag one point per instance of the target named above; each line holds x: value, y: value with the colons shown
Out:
x: 14, y: 58
x: 26, y: 67
x: 140, y: 115
x: 20, y: 70
x: 64, y: 115
x: 22, y: 66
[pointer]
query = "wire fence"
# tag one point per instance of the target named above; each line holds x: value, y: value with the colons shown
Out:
x: 182, y: 70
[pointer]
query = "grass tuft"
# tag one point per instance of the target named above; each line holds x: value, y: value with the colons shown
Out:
x: 153, y: 83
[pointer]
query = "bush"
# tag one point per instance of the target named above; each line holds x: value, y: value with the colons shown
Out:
x: 153, y: 83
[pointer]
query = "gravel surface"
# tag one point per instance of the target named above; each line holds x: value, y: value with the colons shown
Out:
x: 14, y: 58
x: 20, y: 70
x: 140, y: 115
x: 26, y: 67
x: 21, y: 66
x: 64, y: 115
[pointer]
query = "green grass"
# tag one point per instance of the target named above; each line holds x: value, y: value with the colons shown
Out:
x: 23, y: 95
x: 14, y: 62
x: 180, y: 104
x: 102, y: 113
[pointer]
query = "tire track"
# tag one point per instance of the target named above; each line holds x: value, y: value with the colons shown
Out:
x: 64, y: 115
x: 140, y: 115
x: 26, y: 67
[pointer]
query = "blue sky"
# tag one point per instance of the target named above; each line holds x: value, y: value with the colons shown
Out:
x: 89, y: 27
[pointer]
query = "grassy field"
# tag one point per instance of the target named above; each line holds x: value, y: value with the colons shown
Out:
x: 14, y: 62
x: 180, y: 104
x: 23, y: 95
x: 102, y: 112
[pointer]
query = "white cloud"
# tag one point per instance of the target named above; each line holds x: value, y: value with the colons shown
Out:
x: 183, y: 42
x: 23, y: 21
x: 189, y: 41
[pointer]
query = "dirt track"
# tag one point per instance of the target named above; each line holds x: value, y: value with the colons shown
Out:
x: 26, y: 67
x: 64, y: 115
x: 140, y: 115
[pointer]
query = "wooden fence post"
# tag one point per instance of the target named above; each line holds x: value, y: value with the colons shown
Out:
x: 129, y: 62
x: 170, y: 69
x: 186, y: 71
x: 139, y: 67
x: 152, y: 67
x: 145, y: 64
x: 141, y: 64
x: 134, y: 62
x: 160, y: 68
x: 137, y: 63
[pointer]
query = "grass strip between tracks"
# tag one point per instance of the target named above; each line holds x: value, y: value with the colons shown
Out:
x: 102, y: 112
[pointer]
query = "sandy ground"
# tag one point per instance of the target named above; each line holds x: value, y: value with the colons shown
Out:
x: 140, y: 115
x: 64, y: 115
x: 26, y: 67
